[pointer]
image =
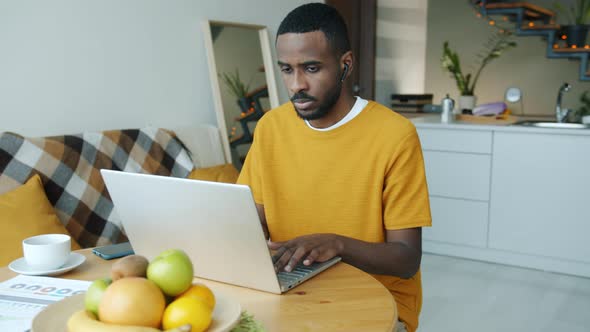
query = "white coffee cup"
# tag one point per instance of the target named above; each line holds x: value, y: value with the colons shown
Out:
x: 47, y: 252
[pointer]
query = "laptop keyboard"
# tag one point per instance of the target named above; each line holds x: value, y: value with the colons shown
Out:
x: 300, y: 272
x: 288, y: 278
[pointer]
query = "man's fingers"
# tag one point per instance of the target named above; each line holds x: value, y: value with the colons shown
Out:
x: 277, y: 254
x: 297, y: 256
x: 313, y: 255
x: 275, y: 245
x: 311, y: 248
x: 283, y: 259
x: 325, y: 252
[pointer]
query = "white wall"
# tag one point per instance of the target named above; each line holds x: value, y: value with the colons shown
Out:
x: 401, y: 48
x: 68, y: 66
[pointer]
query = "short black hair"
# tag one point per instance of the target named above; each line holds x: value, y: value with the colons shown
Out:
x: 318, y: 16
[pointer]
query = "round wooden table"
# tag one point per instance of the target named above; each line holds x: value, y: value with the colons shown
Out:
x: 343, y: 298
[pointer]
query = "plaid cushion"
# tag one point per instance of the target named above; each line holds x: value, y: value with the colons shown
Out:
x: 69, y: 167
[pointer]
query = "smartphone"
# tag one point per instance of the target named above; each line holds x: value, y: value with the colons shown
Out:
x: 113, y: 251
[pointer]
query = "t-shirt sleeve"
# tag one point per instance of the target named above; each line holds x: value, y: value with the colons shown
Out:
x: 405, y: 195
x: 250, y: 174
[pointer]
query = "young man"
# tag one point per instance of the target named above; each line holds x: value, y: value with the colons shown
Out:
x: 334, y: 175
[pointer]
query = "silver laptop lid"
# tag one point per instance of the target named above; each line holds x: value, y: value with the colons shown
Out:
x: 216, y: 224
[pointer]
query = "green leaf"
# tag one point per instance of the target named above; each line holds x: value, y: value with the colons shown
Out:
x: 248, y: 324
x: 234, y: 84
x: 493, y: 48
x: 585, y: 108
x: 466, y: 90
x: 559, y: 7
x: 573, y: 14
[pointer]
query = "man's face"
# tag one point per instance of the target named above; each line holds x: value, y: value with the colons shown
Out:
x: 311, y: 72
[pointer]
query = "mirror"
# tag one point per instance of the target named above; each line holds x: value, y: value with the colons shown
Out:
x: 243, y: 81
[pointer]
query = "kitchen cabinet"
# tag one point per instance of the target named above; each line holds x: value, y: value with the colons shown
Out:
x: 458, y: 175
x: 459, y: 194
x: 458, y: 222
x: 508, y: 194
x: 540, y: 194
x: 470, y: 141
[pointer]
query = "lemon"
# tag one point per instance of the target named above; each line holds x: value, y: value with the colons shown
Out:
x: 187, y: 310
x: 202, y: 292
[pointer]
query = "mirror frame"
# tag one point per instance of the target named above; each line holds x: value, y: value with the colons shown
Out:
x: 213, y: 75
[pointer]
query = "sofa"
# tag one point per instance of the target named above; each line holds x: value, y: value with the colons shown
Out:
x: 53, y: 184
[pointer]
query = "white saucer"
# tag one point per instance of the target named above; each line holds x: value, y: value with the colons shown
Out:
x: 20, y: 266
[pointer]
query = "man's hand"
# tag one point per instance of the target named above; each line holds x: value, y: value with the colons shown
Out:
x: 310, y: 248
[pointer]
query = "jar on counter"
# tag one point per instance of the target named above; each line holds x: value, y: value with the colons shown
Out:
x: 447, y: 105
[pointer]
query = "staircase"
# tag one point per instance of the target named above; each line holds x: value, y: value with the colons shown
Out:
x: 532, y: 20
x: 252, y: 111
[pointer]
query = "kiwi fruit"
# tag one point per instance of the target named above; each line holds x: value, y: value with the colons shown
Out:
x: 129, y: 266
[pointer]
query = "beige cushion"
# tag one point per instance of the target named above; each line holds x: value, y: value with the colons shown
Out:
x: 222, y: 173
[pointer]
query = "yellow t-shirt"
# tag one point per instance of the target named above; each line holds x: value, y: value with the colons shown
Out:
x: 356, y: 180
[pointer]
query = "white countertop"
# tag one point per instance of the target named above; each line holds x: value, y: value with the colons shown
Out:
x: 433, y: 121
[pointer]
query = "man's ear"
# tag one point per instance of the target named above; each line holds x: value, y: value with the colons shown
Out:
x: 344, y: 73
x: 346, y: 61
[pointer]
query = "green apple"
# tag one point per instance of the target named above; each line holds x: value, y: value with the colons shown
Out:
x: 94, y: 294
x: 172, y: 271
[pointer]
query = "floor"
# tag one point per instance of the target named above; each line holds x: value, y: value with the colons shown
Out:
x: 463, y: 296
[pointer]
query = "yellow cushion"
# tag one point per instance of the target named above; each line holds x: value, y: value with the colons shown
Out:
x: 24, y: 212
x: 222, y: 173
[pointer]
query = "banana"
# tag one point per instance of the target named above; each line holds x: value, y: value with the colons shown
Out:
x: 83, y: 321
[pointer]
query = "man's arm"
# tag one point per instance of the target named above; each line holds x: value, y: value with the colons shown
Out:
x: 399, y: 256
x: 262, y: 216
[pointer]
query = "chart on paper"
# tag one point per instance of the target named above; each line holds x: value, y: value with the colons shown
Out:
x: 22, y: 297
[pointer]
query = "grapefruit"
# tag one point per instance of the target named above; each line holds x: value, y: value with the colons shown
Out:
x: 132, y: 301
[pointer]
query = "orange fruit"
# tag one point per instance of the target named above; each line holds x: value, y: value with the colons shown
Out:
x: 202, y: 292
x: 132, y: 301
x: 187, y: 310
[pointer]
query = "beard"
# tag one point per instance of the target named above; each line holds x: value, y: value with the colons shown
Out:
x: 324, y: 108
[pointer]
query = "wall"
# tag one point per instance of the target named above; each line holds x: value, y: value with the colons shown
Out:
x: 525, y: 67
x: 68, y: 66
x: 400, y: 48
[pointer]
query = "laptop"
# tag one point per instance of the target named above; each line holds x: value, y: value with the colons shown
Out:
x: 216, y: 224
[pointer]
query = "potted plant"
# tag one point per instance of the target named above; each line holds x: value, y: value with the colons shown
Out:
x: 584, y: 111
x: 493, y: 48
x: 238, y: 88
x: 576, y: 28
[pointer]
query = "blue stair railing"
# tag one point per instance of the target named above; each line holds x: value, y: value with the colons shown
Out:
x: 525, y: 19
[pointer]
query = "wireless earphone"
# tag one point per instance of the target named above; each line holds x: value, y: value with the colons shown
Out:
x: 344, y: 72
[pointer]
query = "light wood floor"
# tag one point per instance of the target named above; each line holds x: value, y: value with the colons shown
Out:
x: 470, y: 296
